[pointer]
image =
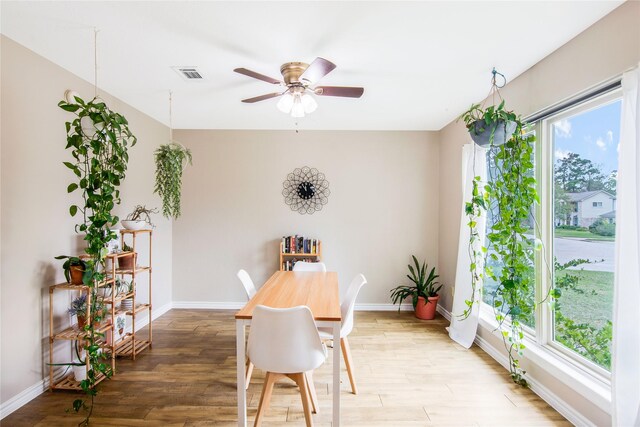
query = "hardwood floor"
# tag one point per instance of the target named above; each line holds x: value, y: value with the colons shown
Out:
x: 408, y: 372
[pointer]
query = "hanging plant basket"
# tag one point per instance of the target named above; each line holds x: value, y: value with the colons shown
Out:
x: 496, y: 133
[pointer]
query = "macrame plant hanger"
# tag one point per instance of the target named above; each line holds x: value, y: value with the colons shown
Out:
x: 495, y: 88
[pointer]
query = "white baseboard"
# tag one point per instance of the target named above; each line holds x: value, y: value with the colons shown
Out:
x: 24, y: 397
x: 27, y: 395
x: 383, y: 307
x: 211, y: 305
x: 445, y: 313
x: 208, y: 305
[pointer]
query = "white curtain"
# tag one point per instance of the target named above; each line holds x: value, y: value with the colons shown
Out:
x: 626, y: 324
x: 474, y: 163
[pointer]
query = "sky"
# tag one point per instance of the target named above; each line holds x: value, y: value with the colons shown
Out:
x: 592, y: 134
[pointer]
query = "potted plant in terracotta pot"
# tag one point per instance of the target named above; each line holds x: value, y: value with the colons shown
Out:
x: 423, y: 292
x: 74, y: 269
x: 126, y: 262
x: 79, y: 308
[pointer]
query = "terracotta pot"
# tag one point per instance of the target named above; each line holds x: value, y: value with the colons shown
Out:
x: 427, y: 310
x: 126, y: 263
x: 76, y: 272
x: 82, y: 321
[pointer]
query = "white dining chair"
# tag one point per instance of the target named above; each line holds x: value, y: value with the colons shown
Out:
x: 346, y: 311
x: 310, y: 266
x: 285, y: 342
x: 250, y: 289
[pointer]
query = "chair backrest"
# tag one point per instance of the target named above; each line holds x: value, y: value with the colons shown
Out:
x: 346, y: 308
x: 284, y: 340
x: 310, y: 266
x: 249, y: 287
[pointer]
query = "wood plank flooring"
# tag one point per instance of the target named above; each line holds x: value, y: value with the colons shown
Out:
x: 408, y: 371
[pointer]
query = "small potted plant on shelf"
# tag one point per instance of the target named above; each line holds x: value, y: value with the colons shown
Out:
x: 79, y: 308
x: 139, y: 219
x: 126, y: 262
x: 423, y: 292
x: 74, y: 269
x: 127, y: 303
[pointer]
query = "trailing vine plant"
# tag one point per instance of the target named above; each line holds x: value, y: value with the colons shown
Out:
x: 508, y: 199
x: 170, y: 162
x: 99, y: 140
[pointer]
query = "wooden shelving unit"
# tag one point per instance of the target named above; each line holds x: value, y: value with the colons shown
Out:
x: 134, y: 345
x: 74, y: 333
x: 128, y: 344
x: 287, y: 260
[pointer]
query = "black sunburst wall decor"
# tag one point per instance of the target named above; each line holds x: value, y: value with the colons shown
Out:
x: 306, y: 190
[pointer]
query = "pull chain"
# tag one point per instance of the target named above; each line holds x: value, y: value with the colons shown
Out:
x: 170, y: 117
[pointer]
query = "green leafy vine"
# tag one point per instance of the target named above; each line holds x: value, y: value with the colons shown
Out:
x: 99, y: 140
x: 508, y: 198
x: 170, y: 162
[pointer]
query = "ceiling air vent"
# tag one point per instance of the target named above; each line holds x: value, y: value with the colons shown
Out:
x: 189, y: 73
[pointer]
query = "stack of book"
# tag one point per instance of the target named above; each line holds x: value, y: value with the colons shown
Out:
x: 299, y: 245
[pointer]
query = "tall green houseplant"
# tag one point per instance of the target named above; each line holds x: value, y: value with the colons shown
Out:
x: 170, y: 162
x: 98, y: 139
x: 509, y: 196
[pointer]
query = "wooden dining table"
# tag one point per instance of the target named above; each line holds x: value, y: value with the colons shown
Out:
x: 285, y: 289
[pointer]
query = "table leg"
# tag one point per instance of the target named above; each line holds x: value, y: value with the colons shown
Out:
x: 240, y: 355
x: 336, y: 374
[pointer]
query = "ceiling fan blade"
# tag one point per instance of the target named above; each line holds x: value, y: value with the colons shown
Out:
x: 261, y: 98
x: 258, y: 76
x: 319, y: 68
x: 346, y: 91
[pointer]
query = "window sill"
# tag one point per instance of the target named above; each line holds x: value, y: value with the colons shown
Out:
x: 572, y: 375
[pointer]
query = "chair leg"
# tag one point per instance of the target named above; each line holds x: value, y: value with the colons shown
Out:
x: 267, y: 389
x: 249, y: 372
x: 300, y: 379
x: 311, y: 387
x: 346, y: 353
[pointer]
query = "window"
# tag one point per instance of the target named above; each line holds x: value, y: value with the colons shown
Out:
x: 584, y: 145
x: 576, y: 170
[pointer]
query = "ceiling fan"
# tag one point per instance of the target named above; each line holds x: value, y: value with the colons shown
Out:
x: 300, y: 79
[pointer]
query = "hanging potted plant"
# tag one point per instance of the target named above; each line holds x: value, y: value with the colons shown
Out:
x: 492, y: 126
x: 170, y: 159
x: 423, y: 293
x: 98, y: 140
x: 510, y: 194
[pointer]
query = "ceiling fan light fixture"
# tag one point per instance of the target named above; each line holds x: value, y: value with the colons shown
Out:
x: 309, y: 103
x: 298, y: 109
x: 285, y: 103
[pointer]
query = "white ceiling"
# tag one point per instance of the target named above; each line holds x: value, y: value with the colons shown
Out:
x: 421, y: 63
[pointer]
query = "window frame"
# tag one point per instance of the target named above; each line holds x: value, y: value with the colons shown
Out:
x: 545, y: 172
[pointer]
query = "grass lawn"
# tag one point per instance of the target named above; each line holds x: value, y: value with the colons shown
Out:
x: 561, y: 232
x: 595, y: 304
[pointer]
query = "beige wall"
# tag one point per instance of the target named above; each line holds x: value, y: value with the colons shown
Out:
x: 383, y: 207
x: 603, y: 51
x: 36, y: 225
